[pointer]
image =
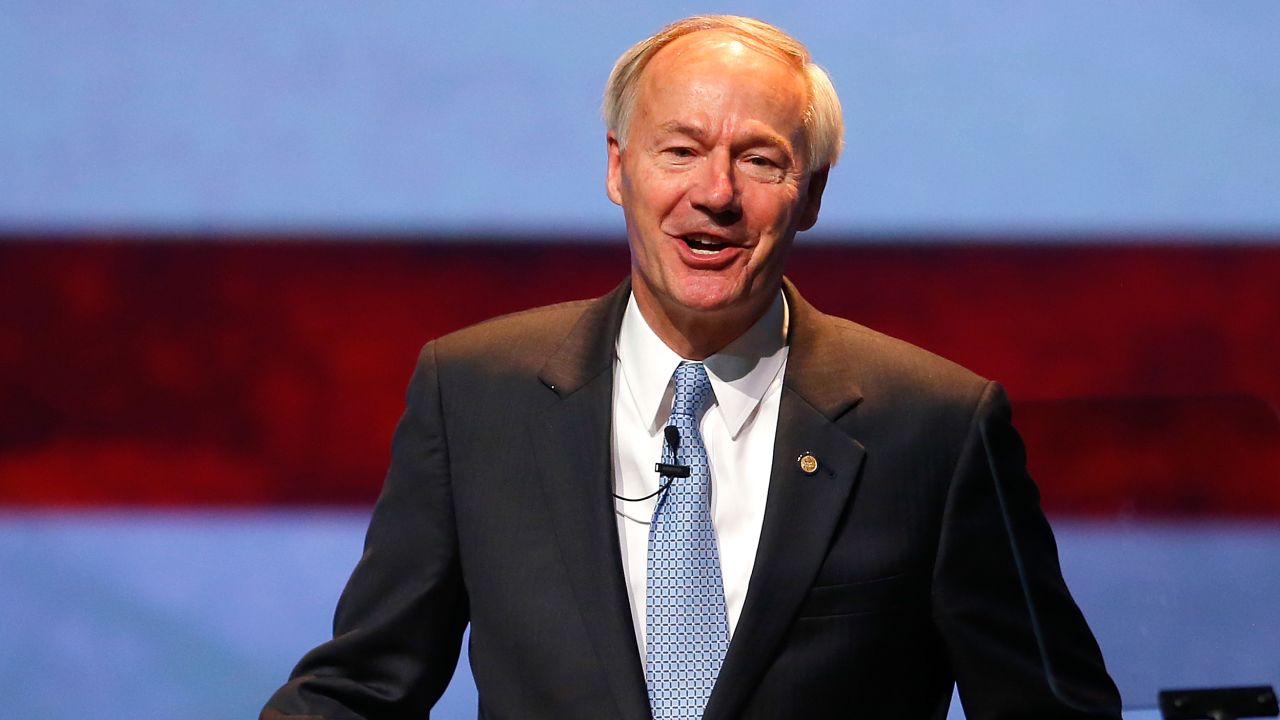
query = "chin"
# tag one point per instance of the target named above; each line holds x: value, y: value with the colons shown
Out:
x: 711, y: 297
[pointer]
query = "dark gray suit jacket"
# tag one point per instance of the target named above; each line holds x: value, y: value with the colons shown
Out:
x: 878, y: 580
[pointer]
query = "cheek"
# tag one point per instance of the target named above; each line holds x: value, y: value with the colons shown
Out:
x: 649, y: 187
x: 773, y: 212
x: 664, y: 198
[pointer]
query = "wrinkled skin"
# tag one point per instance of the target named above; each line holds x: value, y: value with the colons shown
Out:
x: 713, y: 184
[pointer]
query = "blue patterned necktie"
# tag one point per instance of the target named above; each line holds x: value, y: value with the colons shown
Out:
x: 687, y: 628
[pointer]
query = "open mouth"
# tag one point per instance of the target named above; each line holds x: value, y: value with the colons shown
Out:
x: 703, y: 244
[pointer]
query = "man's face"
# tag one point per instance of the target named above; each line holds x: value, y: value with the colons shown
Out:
x: 713, y: 181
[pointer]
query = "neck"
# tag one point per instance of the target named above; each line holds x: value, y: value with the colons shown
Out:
x: 695, y: 334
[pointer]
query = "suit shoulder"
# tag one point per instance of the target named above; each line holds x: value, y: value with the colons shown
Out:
x: 910, y: 400
x: 511, y: 340
x: 896, y: 368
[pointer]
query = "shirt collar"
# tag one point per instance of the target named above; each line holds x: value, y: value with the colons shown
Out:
x: 740, y: 374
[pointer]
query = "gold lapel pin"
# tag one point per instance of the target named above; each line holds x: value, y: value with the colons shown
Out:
x: 808, y: 463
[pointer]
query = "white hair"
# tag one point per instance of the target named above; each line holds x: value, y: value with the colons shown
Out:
x: 823, y: 119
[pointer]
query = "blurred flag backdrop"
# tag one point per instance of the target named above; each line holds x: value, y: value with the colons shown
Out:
x: 227, y: 227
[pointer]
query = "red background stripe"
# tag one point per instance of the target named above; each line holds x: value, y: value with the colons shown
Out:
x: 179, y: 371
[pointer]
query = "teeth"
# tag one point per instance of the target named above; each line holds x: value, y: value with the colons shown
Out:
x: 703, y: 244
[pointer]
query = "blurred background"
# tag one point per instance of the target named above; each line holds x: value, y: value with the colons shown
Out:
x: 227, y: 227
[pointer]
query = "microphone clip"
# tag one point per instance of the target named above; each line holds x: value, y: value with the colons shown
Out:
x: 671, y: 471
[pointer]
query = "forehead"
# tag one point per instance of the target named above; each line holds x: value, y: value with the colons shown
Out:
x: 722, y: 64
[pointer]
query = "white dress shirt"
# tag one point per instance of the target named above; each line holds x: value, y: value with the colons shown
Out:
x: 738, y: 429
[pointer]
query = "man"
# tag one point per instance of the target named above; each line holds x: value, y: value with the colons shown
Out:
x: 839, y: 524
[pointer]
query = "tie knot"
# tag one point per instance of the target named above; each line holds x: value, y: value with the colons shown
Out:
x: 693, y: 390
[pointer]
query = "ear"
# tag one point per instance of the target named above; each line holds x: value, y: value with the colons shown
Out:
x: 613, y: 176
x: 813, y: 198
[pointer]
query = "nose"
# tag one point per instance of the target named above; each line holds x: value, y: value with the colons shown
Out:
x: 714, y: 191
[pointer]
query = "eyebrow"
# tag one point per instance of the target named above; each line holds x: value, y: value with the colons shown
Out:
x: 700, y: 134
x: 677, y: 127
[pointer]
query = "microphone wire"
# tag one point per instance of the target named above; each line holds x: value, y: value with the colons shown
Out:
x: 669, y: 471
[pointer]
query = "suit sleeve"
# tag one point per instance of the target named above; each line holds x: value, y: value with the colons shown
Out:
x: 1017, y: 642
x: 398, y: 626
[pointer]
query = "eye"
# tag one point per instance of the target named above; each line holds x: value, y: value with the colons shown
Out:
x: 680, y: 152
x: 762, y: 167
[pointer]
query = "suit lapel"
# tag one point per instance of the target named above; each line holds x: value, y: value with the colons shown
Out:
x: 571, y: 444
x: 803, y: 510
